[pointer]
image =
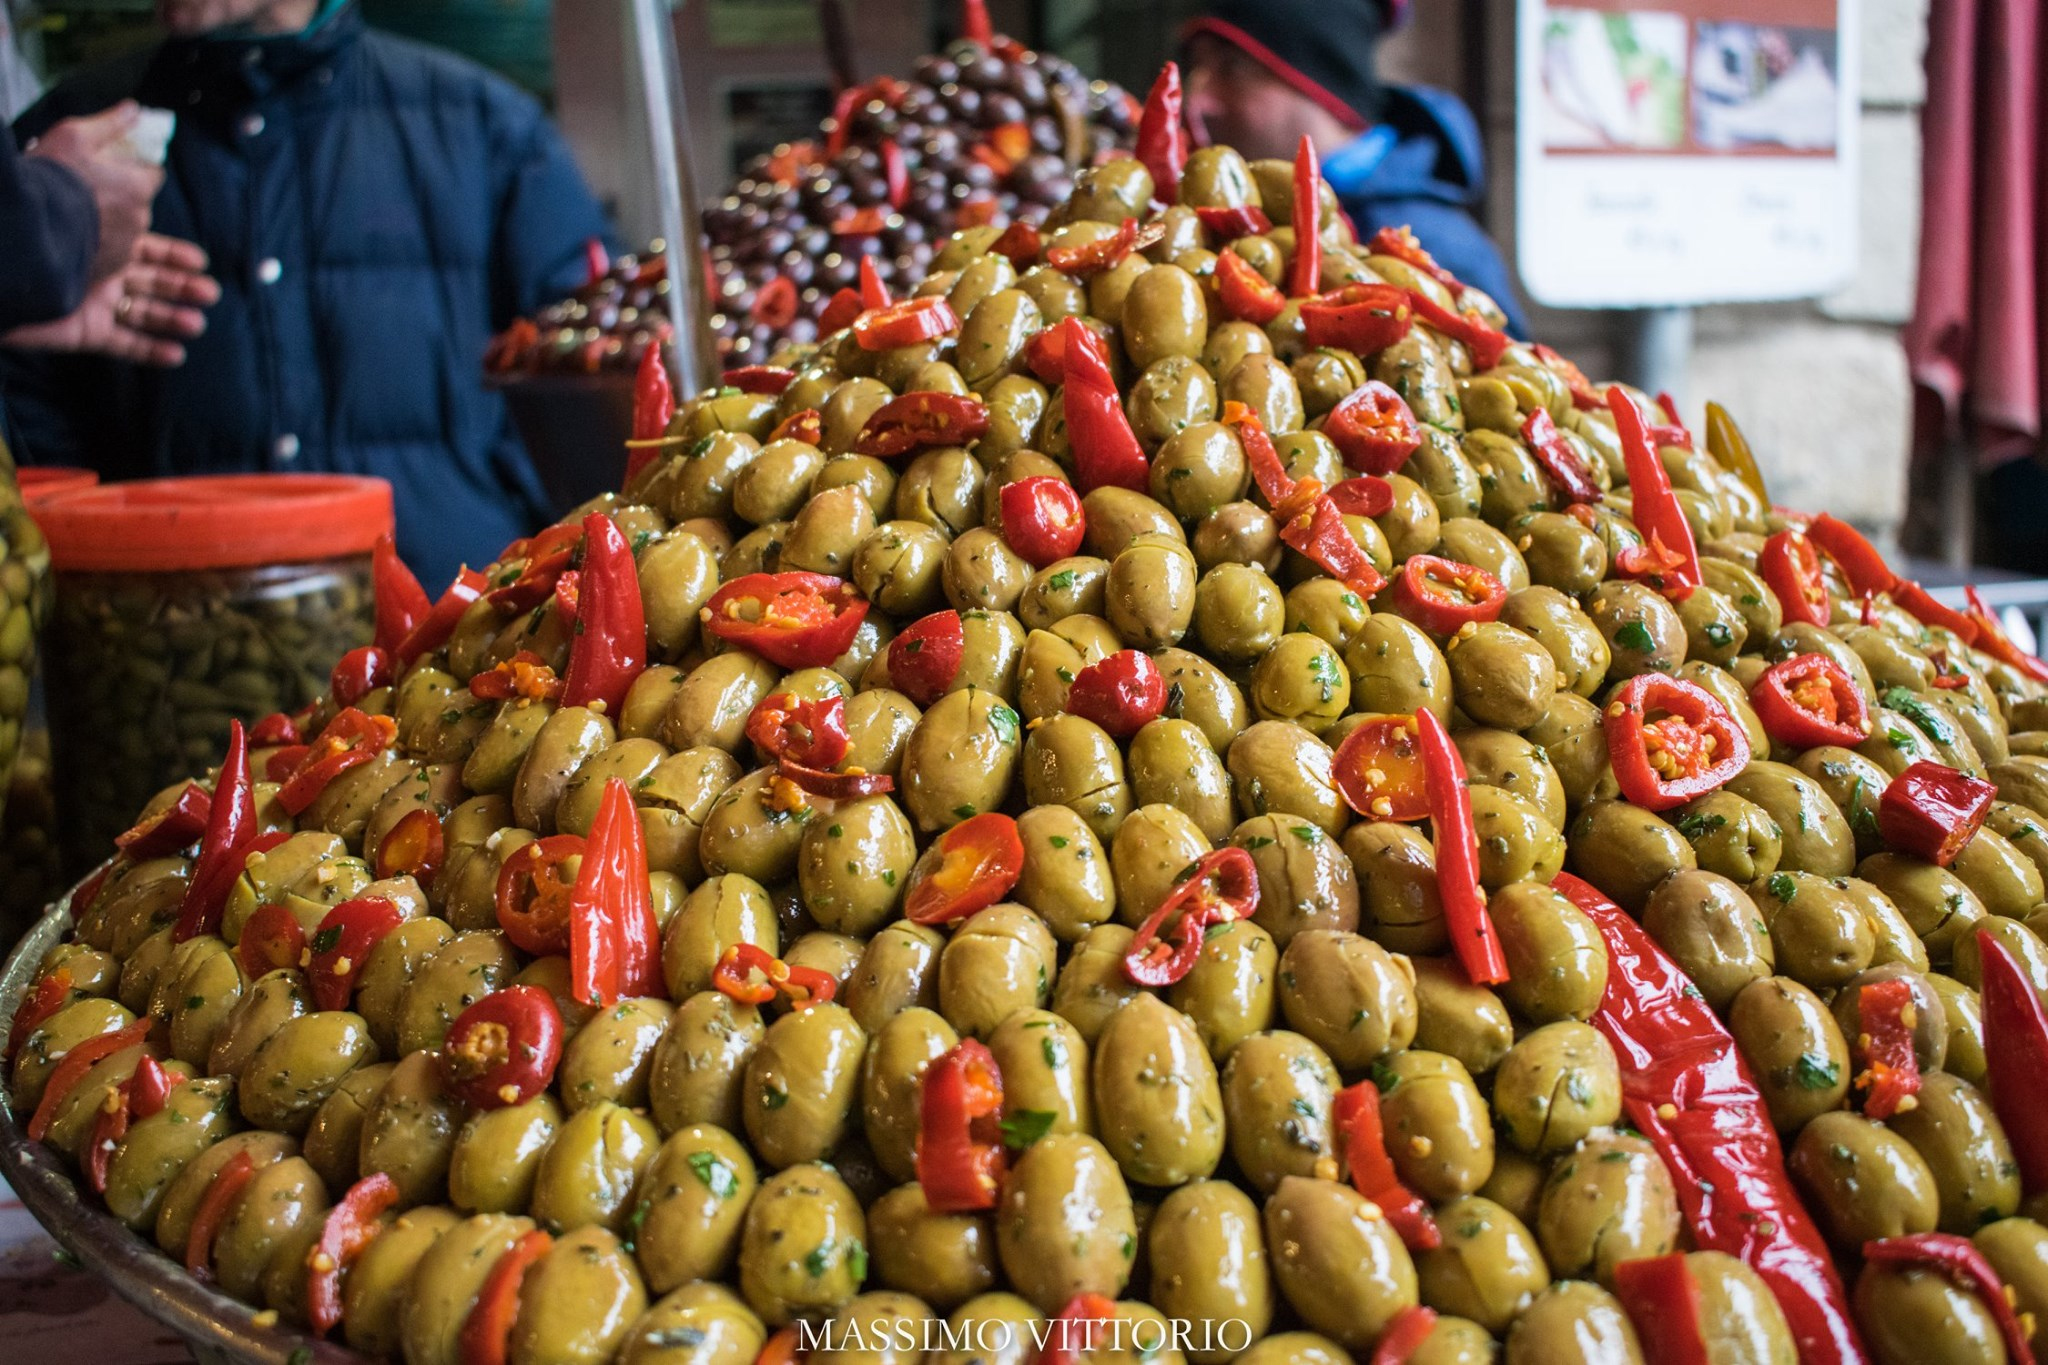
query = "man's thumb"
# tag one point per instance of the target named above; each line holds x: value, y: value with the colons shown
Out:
x: 109, y: 125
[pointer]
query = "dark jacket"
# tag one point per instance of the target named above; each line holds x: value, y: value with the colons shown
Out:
x: 49, y: 231
x: 374, y: 210
x: 1431, y: 179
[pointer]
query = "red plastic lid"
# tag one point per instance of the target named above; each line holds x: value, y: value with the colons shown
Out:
x: 214, y: 521
x: 42, y: 480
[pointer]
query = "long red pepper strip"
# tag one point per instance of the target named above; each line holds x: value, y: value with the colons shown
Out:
x: 612, y: 900
x: 1162, y: 139
x: 401, y: 602
x: 1857, y: 558
x: 2013, y: 1015
x: 1959, y: 1260
x: 1992, y: 639
x: 1662, y: 1299
x: 609, y: 649
x: 1654, y: 506
x: 230, y: 828
x: 1308, y: 219
x: 1404, y: 1335
x: 1891, y: 1069
x: 1687, y: 1089
x: 1557, y: 458
x: 440, y: 623
x: 974, y: 24
x: 1106, y: 450
x: 1457, y: 855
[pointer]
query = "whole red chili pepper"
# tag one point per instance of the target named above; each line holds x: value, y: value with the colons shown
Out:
x: 1959, y: 1260
x: 1122, y: 693
x: 1400, y: 243
x: 807, y: 730
x: 440, y: 622
x: 1662, y: 1299
x: 351, y: 1226
x: 52, y: 992
x: 170, y: 829
x: 1307, y: 275
x: 1922, y: 606
x: 1221, y: 887
x: 1106, y: 450
x: 1658, y: 514
x: 654, y: 404
x: 614, y: 939
x: 1373, y: 429
x: 2014, y: 1068
x: 797, y: 620
x: 1228, y: 222
x: 961, y: 1160
x: 1932, y: 811
x: 1686, y: 1088
x: 1574, y: 482
x: 923, y: 418
x: 1486, y: 342
x: 1360, y: 318
x: 1362, y: 1140
x: 609, y: 649
x: 1670, y: 740
x: 1456, y: 839
x: 1992, y: 639
x: 230, y: 827
x: 1162, y: 138
x: 974, y: 24
x: 1404, y: 1335
x: 401, y: 601
x: 1858, y: 559
x: 1245, y: 294
x: 1790, y: 568
x: 1891, y: 1070
x: 737, y: 965
x: 1808, y: 701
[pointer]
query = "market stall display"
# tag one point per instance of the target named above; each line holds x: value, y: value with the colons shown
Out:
x: 1175, y: 775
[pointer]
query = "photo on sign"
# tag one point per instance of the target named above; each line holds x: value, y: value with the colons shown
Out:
x: 1613, y: 81
x: 1764, y: 86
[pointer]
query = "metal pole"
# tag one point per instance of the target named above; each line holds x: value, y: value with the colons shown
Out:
x: 654, y: 45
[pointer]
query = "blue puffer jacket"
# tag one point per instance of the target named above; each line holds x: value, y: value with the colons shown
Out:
x: 374, y: 210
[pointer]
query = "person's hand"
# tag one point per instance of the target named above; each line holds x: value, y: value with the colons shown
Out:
x: 142, y: 313
x: 95, y: 149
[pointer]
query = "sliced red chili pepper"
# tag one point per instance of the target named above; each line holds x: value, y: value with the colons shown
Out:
x: 81, y: 1058
x: 808, y: 730
x: 535, y: 885
x: 873, y: 293
x: 1373, y: 429
x: 1992, y: 639
x: 1363, y: 1141
x: 2013, y: 1014
x: 1245, y: 294
x: 361, y: 672
x: 1361, y: 318
x: 609, y: 649
x: 1931, y: 811
x: 1559, y: 461
x: 1162, y: 138
x: 978, y: 861
x: 1663, y: 1301
x: 440, y: 623
x: 350, y: 740
x: 762, y: 379
x: 1274, y: 483
x: 785, y: 1347
x: 1891, y: 1069
x: 1094, y: 257
x: 1858, y: 559
x: 1379, y: 771
x: 924, y: 658
x: 1790, y: 568
x: 281, y: 762
x: 1670, y: 740
x: 905, y: 323
x: 149, y: 1089
x: 524, y: 676
x: 1922, y: 606
x: 1368, y: 495
x: 807, y: 426
x: 1106, y: 450
x: 503, y: 1049
x: 924, y: 418
x: 50, y: 993
x: 351, y: 1226
x: 850, y: 785
x: 1122, y: 693
x: 738, y: 965
x: 341, y: 945
x: 654, y: 399
x: 961, y: 1160
x: 1486, y: 342
x: 1958, y: 1260
x: 224, y: 847
x: 1228, y: 222
x: 214, y: 1205
x: 109, y: 1126
x: 775, y: 302
x: 174, y: 827
x: 895, y: 173
x: 1673, y: 561
x: 1809, y: 701
x: 1322, y: 535
x: 1073, y: 1335
x: 614, y: 938
x: 1442, y: 596
x: 843, y: 106
x: 1307, y: 273
x: 1585, y: 396
x: 1019, y: 244
x: 1046, y: 354
x: 1221, y: 887
x: 271, y: 939
x: 274, y: 729
x: 1400, y: 243
x: 841, y: 311
x: 401, y: 602
x: 797, y: 620
x: 486, y: 1332
x: 1311, y: 519
x: 1456, y: 840
x: 1042, y: 519
x: 1404, y: 1335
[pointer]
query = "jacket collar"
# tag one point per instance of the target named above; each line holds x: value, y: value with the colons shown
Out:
x: 223, y: 75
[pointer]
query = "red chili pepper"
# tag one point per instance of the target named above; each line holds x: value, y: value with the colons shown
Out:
x: 1363, y: 1141
x: 401, y: 601
x: 979, y: 860
x: 1404, y: 1335
x: 1585, y: 396
x: 1992, y: 639
x: 1922, y: 606
x: 503, y: 1049
x: 524, y: 676
x: 1094, y: 257
x: 654, y: 399
x: 1072, y: 1336
x: 1675, y: 560
x: 895, y: 174
x: 274, y: 729
x: 1379, y: 770
x: 961, y: 1160
x: 979, y: 210
x: 1106, y: 450
x: 350, y: 740
x: 1322, y: 535
x: 1670, y: 740
x: 1960, y: 1261
x: 761, y: 379
x: 924, y: 658
x: 905, y: 324
x: 613, y: 903
x: 1162, y: 138
x: 807, y: 426
x: 2014, y: 1016
x: 351, y: 1226
x: 413, y: 848
x: 1122, y: 693
x: 486, y: 1332
x: 1042, y: 519
x: 170, y: 829
x: 542, y: 560
x: 50, y: 993
x: 738, y: 964
x: 1891, y: 1069
x: 341, y: 945
x: 1858, y: 559
x: 1686, y: 1088
x: 533, y: 892
x: 280, y: 764
x: 440, y: 623
x: 1486, y: 342
x: 843, y: 106
x: 1221, y: 887
x: 1442, y: 596
x: 847, y: 786
x: 808, y: 731
x: 1311, y: 519
x: 1574, y: 482
x: 1373, y: 429
x: 1019, y: 244
x: 1226, y: 223
x: 271, y: 940
x: 873, y: 293
x: 69, y: 1072
x: 796, y: 620
x: 775, y: 303
x: 1368, y: 495
x: 1931, y: 811
x: 1400, y: 243
x: 143, y: 1094
x: 1307, y: 274
x: 1275, y: 485
x: 1809, y: 701
x: 1011, y: 142
x: 843, y: 309
x: 228, y: 1184
x: 1245, y: 294
x: 230, y: 826
x: 361, y: 672
x: 1790, y: 567
x: 1360, y: 318
x: 783, y: 1348
x: 610, y: 646
x: 923, y: 418
x: 1046, y: 354
x: 1662, y: 1299
x: 1456, y: 839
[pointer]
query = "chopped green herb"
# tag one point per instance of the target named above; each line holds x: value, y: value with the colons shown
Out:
x: 1816, y: 1073
x: 718, y: 1177
x: 1636, y: 636
x: 1782, y: 886
x: 1026, y: 1126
